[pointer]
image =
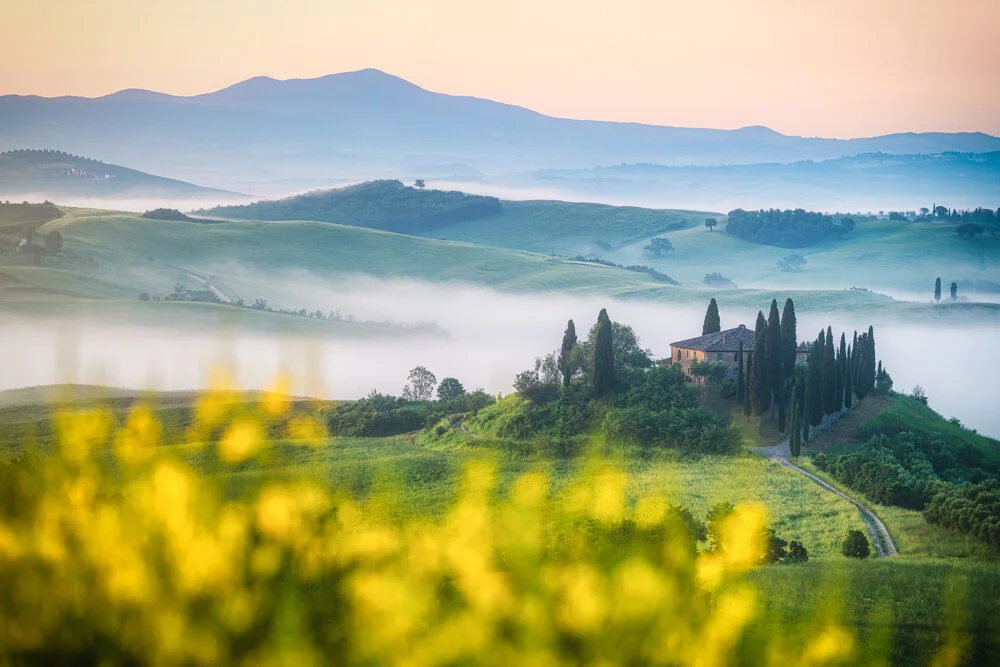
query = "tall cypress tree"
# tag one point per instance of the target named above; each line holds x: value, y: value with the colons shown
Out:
x: 849, y: 378
x: 747, y: 408
x: 814, y: 383
x: 937, y: 290
x: 829, y: 375
x: 773, y: 352
x: 795, y: 437
x: 788, y: 337
x: 760, y: 395
x: 712, y: 323
x: 741, y: 381
x: 604, y: 361
x: 842, y: 372
x: 804, y: 408
x: 565, y: 353
x: 781, y: 400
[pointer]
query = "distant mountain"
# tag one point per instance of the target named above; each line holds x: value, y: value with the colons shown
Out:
x: 47, y: 174
x: 369, y: 124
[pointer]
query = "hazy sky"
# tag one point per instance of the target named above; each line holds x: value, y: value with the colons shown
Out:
x: 813, y: 67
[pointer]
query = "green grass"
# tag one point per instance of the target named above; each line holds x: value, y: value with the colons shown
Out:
x: 911, y: 601
x: 569, y: 229
x: 909, y: 414
x: 20, y: 215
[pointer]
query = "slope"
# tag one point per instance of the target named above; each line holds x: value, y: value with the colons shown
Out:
x: 56, y: 175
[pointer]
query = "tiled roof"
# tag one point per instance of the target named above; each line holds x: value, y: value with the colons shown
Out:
x: 721, y: 341
x: 724, y: 341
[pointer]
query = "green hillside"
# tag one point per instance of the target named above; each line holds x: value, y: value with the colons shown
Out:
x: 568, y: 229
x: 111, y: 257
x: 387, y: 205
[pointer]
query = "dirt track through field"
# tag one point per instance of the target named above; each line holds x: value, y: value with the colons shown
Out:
x: 877, y: 532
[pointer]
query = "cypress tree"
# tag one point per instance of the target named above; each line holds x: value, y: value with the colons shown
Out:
x: 937, y: 290
x: 788, y: 337
x: 747, y: 408
x: 842, y: 372
x: 773, y: 352
x: 954, y: 291
x: 781, y: 400
x: 814, y: 383
x: 604, y: 361
x: 795, y: 437
x: 565, y: 352
x: 849, y: 378
x: 741, y: 381
x: 829, y: 375
x: 760, y: 396
x: 712, y: 323
x: 804, y: 408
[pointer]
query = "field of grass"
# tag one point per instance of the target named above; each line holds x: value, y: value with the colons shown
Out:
x: 915, y: 607
x: 878, y: 254
x: 249, y: 259
x: 569, y: 229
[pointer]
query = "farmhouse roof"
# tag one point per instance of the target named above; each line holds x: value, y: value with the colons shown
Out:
x: 720, y: 341
x: 723, y: 341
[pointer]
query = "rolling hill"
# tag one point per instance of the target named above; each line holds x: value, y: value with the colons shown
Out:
x: 550, y: 227
x: 48, y: 174
x: 368, y: 124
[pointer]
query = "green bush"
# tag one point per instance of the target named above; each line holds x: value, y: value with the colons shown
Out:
x: 856, y: 545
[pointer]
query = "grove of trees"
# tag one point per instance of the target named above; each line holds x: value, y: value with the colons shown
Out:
x: 787, y: 229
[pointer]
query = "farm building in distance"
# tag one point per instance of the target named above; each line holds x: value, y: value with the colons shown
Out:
x: 721, y: 346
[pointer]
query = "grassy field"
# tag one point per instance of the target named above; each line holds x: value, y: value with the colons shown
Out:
x: 936, y: 583
x: 569, y: 229
x: 878, y: 254
x: 115, y: 255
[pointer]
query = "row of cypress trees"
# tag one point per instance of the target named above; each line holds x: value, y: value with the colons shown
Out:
x: 831, y: 378
x: 827, y: 384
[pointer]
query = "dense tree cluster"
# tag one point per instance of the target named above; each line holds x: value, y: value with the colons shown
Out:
x: 969, y: 508
x: 787, y: 229
x: 386, y: 204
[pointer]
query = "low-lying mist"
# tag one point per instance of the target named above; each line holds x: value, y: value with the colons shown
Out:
x: 490, y: 336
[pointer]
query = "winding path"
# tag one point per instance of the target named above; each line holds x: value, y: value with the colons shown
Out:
x: 877, y: 532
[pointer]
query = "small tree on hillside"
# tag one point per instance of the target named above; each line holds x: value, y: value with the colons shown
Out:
x: 829, y: 369
x: 937, y: 290
x: 603, y: 380
x: 712, y: 323
x: 954, y: 291
x: 419, y: 184
x: 711, y: 223
x: 449, y: 389
x: 420, y: 385
x: 656, y: 247
x: 856, y: 545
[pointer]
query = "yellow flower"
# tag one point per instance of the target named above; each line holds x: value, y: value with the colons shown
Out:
x: 277, y: 398
x: 242, y: 439
x: 307, y: 431
x: 140, y: 437
x: 80, y: 431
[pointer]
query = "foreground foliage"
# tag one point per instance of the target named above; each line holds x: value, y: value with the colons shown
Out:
x: 116, y: 550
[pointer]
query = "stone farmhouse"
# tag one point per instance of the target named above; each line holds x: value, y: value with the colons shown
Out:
x: 721, y: 346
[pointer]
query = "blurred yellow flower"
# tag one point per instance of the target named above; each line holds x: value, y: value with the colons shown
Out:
x: 243, y: 439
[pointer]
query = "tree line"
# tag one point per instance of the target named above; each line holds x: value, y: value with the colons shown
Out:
x: 787, y: 229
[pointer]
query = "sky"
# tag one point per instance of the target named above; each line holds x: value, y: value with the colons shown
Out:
x: 842, y: 68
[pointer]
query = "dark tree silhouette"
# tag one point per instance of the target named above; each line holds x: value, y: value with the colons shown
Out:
x: 712, y: 323
x: 567, y: 364
x: 603, y: 362
x: 937, y: 290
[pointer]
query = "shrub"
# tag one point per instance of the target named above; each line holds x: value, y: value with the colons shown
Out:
x: 797, y: 552
x: 856, y: 545
x: 728, y: 389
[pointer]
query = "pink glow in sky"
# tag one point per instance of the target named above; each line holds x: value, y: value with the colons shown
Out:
x: 840, y: 68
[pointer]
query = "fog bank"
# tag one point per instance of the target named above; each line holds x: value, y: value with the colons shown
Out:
x: 490, y: 337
